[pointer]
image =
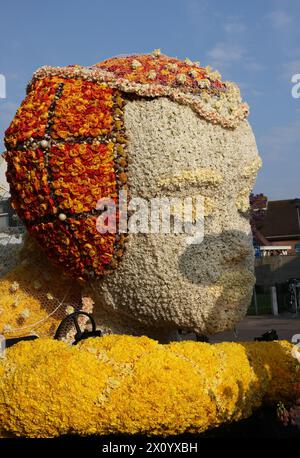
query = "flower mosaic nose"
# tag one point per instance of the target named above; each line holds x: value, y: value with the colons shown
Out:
x: 67, y: 147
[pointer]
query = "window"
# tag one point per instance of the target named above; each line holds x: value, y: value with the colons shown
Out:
x: 3, y: 222
x: 3, y: 206
x: 8, y: 217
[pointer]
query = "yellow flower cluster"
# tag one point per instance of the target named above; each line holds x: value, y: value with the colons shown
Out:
x: 34, y: 298
x: 126, y: 384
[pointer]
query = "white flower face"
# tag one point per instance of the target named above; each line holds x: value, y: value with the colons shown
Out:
x: 162, y: 281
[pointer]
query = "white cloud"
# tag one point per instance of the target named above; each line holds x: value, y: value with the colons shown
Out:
x: 249, y: 89
x: 197, y: 11
x: 281, y: 141
x: 280, y: 19
x: 234, y: 27
x: 289, y: 69
x: 224, y: 54
x: 253, y: 66
x: 279, y: 148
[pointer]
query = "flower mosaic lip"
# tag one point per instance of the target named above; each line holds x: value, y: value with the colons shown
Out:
x: 198, y: 177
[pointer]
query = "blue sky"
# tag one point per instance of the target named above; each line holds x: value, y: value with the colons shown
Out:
x: 256, y: 44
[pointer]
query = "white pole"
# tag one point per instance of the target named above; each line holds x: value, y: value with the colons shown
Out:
x: 274, y: 301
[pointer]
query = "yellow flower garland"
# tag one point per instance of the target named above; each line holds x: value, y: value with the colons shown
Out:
x: 125, y: 384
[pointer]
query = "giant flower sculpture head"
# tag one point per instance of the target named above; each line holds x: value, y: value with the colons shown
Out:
x: 152, y: 126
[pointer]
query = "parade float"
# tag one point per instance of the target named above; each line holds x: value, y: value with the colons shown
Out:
x: 140, y: 126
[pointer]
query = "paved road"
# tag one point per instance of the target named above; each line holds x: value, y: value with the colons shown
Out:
x: 255, y: 326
